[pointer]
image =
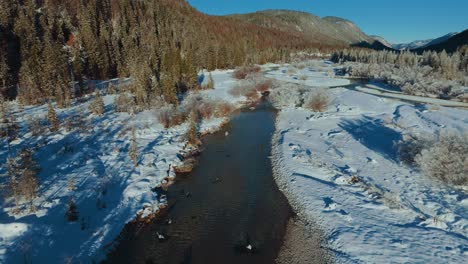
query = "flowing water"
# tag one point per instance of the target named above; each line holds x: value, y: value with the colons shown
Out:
x: 229, y: 201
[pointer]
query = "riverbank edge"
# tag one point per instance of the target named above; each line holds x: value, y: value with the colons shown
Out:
x: 302, y: 234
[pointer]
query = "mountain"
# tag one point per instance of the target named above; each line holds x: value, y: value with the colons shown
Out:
x: 450, y: 45
x: 327, y: 30
x: 423, y: 43
x: 383, y: 41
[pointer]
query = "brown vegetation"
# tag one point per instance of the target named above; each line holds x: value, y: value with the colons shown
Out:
x: 317, y: 100
x: 242, y: 72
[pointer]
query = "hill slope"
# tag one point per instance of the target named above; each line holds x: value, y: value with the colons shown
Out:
x: 449, y: 45
x: 327, y: 30
x: 423, y: 43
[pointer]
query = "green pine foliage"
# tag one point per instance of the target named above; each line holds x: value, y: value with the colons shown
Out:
x: 160, y: 44
x: 52, y: 118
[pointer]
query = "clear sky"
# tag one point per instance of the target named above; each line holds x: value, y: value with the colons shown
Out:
x: 396, y: 20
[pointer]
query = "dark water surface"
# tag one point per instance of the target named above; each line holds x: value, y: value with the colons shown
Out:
x: 229, y: 198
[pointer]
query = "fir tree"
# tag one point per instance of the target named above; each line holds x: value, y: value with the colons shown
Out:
x: 97, y: 106
x: 52, y: 118
x: 133, y: 150
x: 192, y: 133
x: 72, y: 213
x: 22, y: 171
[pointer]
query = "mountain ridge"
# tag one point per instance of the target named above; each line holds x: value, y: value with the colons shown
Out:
x: 330, y: 29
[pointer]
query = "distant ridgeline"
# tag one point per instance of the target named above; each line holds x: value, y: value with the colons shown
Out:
x: 45, y: 46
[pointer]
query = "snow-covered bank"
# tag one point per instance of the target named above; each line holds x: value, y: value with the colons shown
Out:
x: 317, y: 75
x: 371, y: 89
x: 340, y: 169
x: 92, y: 166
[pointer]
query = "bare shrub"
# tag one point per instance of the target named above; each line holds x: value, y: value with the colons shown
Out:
x: 263, y: 86
x: 36, y: 125
x: 223, y: 109
x: 124, y: 103
x: 241, y: 89
x: 410, y: 147
x: 303, y: 77
x: 286, y: 95
x: 206, y: 109
x: 446, y: 160
x: 291, y: 71
x: 170, y: 116
x: 242, y: 72
x: 252, y: 95
x: 317, y: 100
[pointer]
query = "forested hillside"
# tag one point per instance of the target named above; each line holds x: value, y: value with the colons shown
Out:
x: 47, y: 46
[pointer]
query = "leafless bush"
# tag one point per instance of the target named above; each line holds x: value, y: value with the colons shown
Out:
x: 286, y: 95
x: 263, y: 86
x: 252, y: 95
x: 36, y: 125
x: 291, y: 70
x: 317, y: 100
x: 206, y: 109
x: 410, y: 147
x: 303, y: 77
x: 223, y: 109
x: 241, y: 89
x: 242, y: 72
x: 124, y: 103
x: 170, y: 116
x: 446, y: 160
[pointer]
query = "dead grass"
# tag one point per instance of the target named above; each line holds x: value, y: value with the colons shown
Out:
x: 241, y: 89
x: 169, y: 116
x: 223, y: 109
x: 242, y: 72
x: 263, y: 86
x: 252, y: 95
x: 317, y: 100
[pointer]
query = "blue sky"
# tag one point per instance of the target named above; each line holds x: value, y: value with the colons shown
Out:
x: 396, y: 20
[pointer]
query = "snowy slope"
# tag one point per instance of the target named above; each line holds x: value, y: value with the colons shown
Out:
x: 390, y: 213
x: 109, y: 190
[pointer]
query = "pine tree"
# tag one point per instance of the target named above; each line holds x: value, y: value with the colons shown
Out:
x: 13, y: 182
x: 72, y: 213
x: 3, y: 70
x: 192, y: 133
x: 97, y: 106
x: 22, y: 171
x: 133, y: 150
x: 52, y: 118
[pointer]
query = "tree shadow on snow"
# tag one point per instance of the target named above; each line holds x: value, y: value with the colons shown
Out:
x: 373, y: 134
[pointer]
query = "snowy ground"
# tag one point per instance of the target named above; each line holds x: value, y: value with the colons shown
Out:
x: 393, y: 214
x: 109, y: 190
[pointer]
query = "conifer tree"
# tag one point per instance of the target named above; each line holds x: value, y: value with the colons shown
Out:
x: 192, y: 132
x: 97, y: 106
x: 133, y: 150
x: 3, y: 70
x: 22, y: 171
x: 52, y: 118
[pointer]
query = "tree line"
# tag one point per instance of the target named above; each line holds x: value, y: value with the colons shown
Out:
x: 432, y: 73
x: 50, y: 48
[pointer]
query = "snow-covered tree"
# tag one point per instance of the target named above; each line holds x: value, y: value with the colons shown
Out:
x: 446, y: 159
